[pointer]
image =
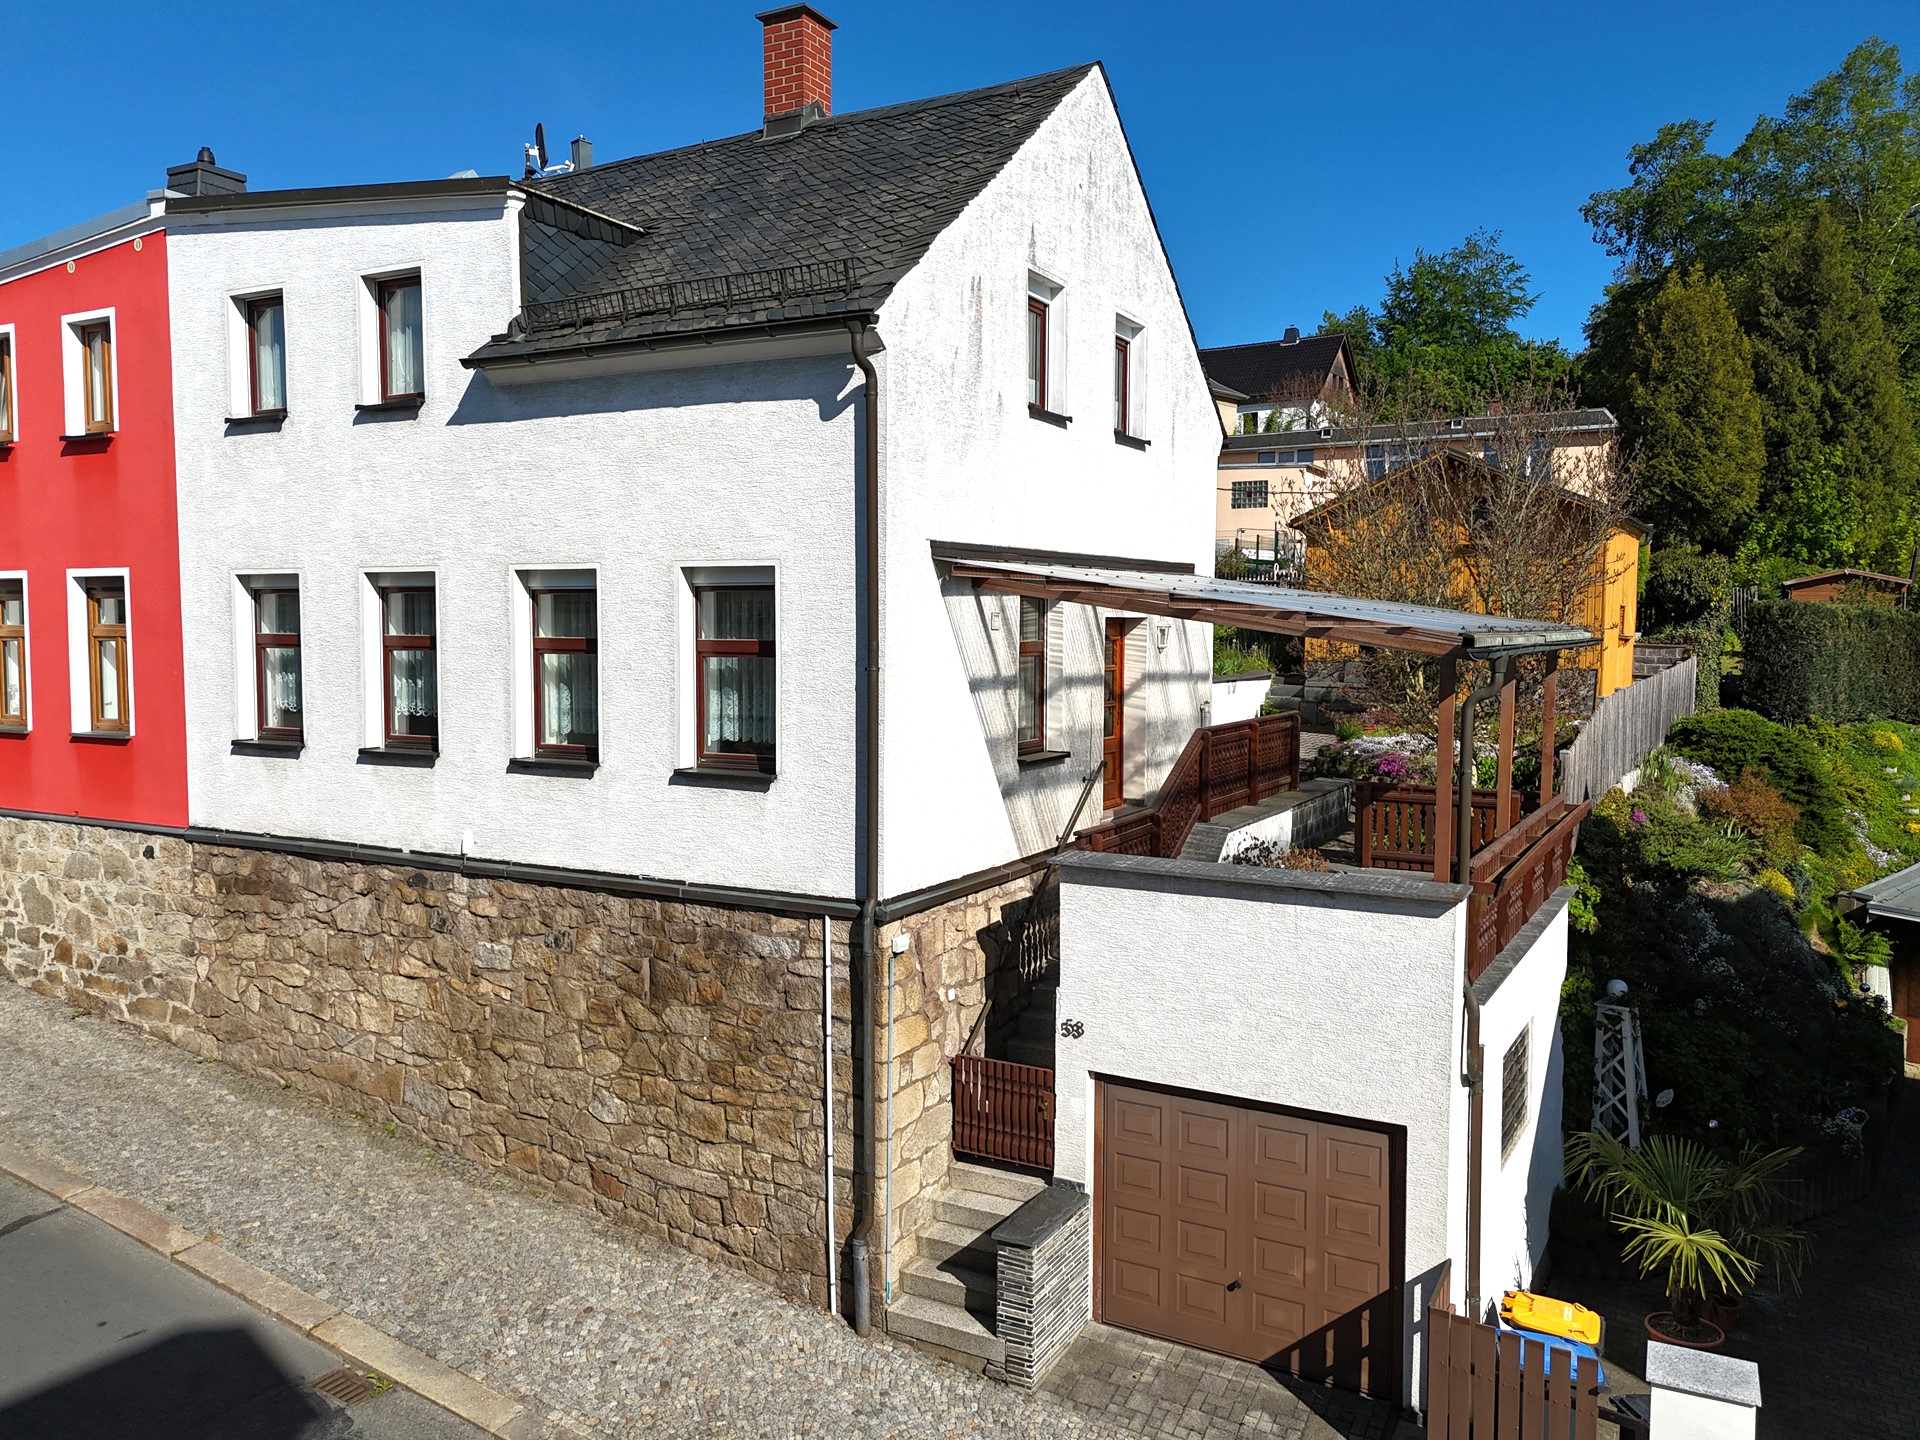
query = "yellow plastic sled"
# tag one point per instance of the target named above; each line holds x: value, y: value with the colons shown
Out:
x: 1524, y: 1310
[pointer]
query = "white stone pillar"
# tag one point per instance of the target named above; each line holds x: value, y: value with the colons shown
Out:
x: 1700, y: 1395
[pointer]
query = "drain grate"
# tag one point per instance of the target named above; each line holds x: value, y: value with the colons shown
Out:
x: 346, y: 1385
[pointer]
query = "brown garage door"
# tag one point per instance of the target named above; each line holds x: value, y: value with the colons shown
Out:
x: 1266, y: 1236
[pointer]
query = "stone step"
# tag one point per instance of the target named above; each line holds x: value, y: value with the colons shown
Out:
x: 978, y: 1209
x: 949, y: 1282
x: 947, y: 1326
x: 1023, y: 1051
x: 985, y: 1179
x: 940, y: 1241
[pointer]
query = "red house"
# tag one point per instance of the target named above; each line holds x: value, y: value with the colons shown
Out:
x: 92, y: 714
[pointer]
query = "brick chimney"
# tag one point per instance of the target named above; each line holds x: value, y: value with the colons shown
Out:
x: 799, y: 64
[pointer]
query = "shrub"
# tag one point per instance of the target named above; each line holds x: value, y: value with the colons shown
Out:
x: 1230, y: 661
x: 1776, y: 883
x: 1687, y: 590
x: 1758, y: 809
x: 1733, y: 741
x: 1839, y: 662
x: 1272, y: 856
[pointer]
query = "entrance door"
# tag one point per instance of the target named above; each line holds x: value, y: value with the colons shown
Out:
x: 1269, y: 1237
x: 1905, y: 977
x: 1115, y: 716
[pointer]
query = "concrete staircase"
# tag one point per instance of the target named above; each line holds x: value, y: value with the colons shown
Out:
x: 1032, y: 1042
x: 947, y: 1299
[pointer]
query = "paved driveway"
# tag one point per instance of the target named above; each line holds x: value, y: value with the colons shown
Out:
x: 104, y: 1339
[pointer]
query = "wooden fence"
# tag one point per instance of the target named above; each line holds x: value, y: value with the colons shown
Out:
x: 1483, y: 1383
x: 1394, y: 825
x: 1003, y: 1111
x: 1627, y: 727
x: 1222, y: 768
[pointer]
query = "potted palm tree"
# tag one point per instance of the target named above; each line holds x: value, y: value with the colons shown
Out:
x: 1704, y: 1221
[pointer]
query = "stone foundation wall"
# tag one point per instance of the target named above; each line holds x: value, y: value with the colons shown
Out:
x: 957, y: 955
x: 659, y: 1061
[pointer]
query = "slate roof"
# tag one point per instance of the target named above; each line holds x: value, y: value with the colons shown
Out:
x: 1273, y: 368
x: 1472, y: 427
x: 753, y: 231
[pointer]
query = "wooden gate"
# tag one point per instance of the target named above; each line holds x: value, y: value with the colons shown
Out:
x: 1003, y: 1111
x: 1486, y: 1384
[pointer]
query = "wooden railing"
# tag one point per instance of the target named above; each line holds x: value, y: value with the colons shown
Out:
x: 1394, y: 825
x: 1003, y: 1111
x: 1222, y: 768
x: 1514, y: 876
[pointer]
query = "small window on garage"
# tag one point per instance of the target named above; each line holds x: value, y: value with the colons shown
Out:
x: 1514, y: 1072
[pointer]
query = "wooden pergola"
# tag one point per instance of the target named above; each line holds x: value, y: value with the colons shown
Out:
x: 1453, y: 638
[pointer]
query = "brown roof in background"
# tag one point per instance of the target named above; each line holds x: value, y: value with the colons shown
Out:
x: 1275, y: 368
x: 1829, y: 576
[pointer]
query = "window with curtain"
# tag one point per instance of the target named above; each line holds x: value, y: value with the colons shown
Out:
x: 276, y: 668
x: 13, y: 653
x: 6, y: 389
x: 733, y: 656
x: 411, y: 664
x: 267, y: 354
x: 566, y: 674
x: 107, y: 653
x: 1037, y: 352
x: 402, y: 352
x: 96, y: 345
x: 1032, y: 720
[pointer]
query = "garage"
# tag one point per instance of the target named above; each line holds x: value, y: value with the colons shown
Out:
x: 1253, y: 1232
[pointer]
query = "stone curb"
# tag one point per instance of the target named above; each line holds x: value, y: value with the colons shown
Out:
x: 479, y: 1405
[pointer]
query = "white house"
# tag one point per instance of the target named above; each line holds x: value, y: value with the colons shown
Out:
x: 650, y: 632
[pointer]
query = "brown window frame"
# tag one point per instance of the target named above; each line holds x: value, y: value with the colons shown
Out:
x: 6, y: 389
x: 254, y: 307
x: 726, y: 760
x: 1123, y: 384
x: 16, y: 720
x: 391, y: 643
x: 96, y: 424
x: 96, y: 632
x: 1039, y: 307
x: 561, y: 644
x: 1038, y: 650
x: 275, y: 640
x: 1514, y: 1098
x: 384, y: 289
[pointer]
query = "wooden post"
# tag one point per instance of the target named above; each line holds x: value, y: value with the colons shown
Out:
x: 1503, y: 773
x: 1548, y: 719
x: 1442, y: 794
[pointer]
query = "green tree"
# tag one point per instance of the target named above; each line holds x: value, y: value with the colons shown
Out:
x: 1445, y: 330
x: 1830, y: 379
x: 1689, y: 412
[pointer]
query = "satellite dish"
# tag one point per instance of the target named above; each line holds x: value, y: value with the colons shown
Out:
x: 540, y: 143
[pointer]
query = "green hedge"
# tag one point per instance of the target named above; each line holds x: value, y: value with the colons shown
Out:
x: 1837, y: 662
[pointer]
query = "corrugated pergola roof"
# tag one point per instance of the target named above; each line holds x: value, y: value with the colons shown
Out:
x: 1895, y: 896
x: 1386, y: 624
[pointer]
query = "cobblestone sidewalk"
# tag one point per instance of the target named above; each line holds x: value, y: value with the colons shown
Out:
x: 625, y: 1335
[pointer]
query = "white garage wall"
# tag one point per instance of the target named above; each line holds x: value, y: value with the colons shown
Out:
x: 1337, y: 994
x: 1517, y: 1191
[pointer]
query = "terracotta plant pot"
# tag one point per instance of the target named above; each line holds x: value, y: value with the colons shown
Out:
x: 1716, y: 1338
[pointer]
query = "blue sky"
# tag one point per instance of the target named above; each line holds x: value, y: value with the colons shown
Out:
x: 1293, y: 153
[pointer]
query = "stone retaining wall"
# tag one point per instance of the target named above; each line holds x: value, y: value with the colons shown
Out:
x: 657, y: 1060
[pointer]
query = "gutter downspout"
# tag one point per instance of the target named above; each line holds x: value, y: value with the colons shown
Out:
x: 826, y: 1086
x: 860, y: 1247
x: 1475, y: 1078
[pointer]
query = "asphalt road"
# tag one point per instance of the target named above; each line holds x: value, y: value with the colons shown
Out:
x: 103, y: 1339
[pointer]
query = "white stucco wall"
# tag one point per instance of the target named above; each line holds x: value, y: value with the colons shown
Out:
x: 964, y: 462
x: 1237, y: 697
x: 633, y: 475
x: 1220, y: 980
x: 1517, y: 1189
